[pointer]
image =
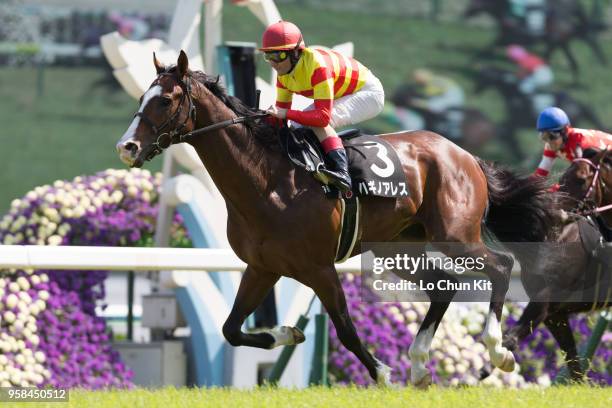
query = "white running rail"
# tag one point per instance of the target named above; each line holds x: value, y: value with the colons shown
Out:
x: 129, y: 259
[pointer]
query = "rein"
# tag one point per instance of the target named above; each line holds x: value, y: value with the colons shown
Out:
x: 166, y: 139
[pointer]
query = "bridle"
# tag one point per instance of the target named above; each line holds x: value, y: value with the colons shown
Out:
x: 174, y: 136
x: 594, y: 183
x: 167, y: 138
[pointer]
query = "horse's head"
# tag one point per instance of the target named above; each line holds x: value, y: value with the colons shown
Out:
x: 166, y: 111
x: 586, y: 181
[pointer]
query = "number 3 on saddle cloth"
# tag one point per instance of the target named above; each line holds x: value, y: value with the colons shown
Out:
x: 374, y: 167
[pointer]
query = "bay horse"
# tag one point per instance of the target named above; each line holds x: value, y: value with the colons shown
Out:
x: 280, y: 223
x: 587, y: 185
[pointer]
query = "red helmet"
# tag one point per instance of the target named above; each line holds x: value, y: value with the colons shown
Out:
x: 282, y: 36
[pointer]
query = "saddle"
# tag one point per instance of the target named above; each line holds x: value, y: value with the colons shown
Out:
x: 374, y: 165
x: 304, y: 150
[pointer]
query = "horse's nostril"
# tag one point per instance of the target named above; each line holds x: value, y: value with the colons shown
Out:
x: 131, y: 147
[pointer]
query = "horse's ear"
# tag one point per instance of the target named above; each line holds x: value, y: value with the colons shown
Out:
x: 159, y: 67
x: 182, y: 64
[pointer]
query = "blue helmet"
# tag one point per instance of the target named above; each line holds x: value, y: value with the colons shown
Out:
x: 552, y: 119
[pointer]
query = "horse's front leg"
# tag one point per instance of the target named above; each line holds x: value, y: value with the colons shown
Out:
x: 254, y: 287
x: 328, y: 288
x: 558, y: 324
x: 532, y: 316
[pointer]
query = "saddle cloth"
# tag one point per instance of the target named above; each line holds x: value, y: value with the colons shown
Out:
x: 374, y: 166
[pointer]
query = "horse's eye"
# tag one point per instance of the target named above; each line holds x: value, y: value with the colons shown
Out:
x: 165, y: 102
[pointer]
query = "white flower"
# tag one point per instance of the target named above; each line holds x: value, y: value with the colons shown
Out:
x: 34, y: 339
x: 40, y: 304
x: 132, y: 191
x: 34, y: 309
x: 11, y: 301
x: 411, y: 316
x: 31, y: 195
x: 54, y: 240
x: 16, y: 378
x: 117, y: 196
x: 14, y: 287
x: 23, y: 284
x: 8, y: 239
x: 43, y: 294
x: 16, y: 203
x: 40, y: 357
x: 20, y: 359
x: 460, y: 368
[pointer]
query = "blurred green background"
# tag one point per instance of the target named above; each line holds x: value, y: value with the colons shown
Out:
x: 63, y: 121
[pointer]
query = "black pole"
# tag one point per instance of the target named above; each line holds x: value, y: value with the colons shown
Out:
x: 130, y: 306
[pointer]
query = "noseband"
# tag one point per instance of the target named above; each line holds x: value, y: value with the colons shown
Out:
x: 174, y: 136
x: 167, y: 138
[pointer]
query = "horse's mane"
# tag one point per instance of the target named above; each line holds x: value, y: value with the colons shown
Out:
x: 259, y: 129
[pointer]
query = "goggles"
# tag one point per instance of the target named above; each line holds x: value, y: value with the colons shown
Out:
x: 550, y: 136
x: 276, y: 56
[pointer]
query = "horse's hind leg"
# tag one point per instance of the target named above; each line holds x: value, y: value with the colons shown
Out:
x: 497, y: 266
x: 254, y: 287
x: 327, y: 286
x: 558, y: 324
x: 419, y: 349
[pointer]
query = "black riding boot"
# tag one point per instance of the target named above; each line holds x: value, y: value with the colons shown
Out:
x: 339, y: 176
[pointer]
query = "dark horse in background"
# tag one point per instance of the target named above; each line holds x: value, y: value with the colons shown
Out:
x: 519, y: 108
x: 565, y: 21
x: 544, y: 276
x: 280, y: 223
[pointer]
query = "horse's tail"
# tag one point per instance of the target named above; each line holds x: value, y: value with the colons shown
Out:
x: 521, y: 209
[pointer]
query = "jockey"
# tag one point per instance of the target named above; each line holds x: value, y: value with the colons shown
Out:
x: 344, y: 91
x: 533, y: 72
x: 562, y: 140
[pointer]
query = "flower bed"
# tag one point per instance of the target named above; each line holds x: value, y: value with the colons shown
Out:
x: 457, y: 356
x: 49, y: 332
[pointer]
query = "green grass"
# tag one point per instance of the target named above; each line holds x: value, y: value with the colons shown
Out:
x: 73, y: 127
x: 573, y: 396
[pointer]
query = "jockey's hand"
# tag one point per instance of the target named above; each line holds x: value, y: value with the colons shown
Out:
x: 276, y: 112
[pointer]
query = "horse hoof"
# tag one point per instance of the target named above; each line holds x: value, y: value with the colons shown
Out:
x: 423, y: 383
x: 298, y: 335
x: 508, y: 363
x: 383, y: 375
